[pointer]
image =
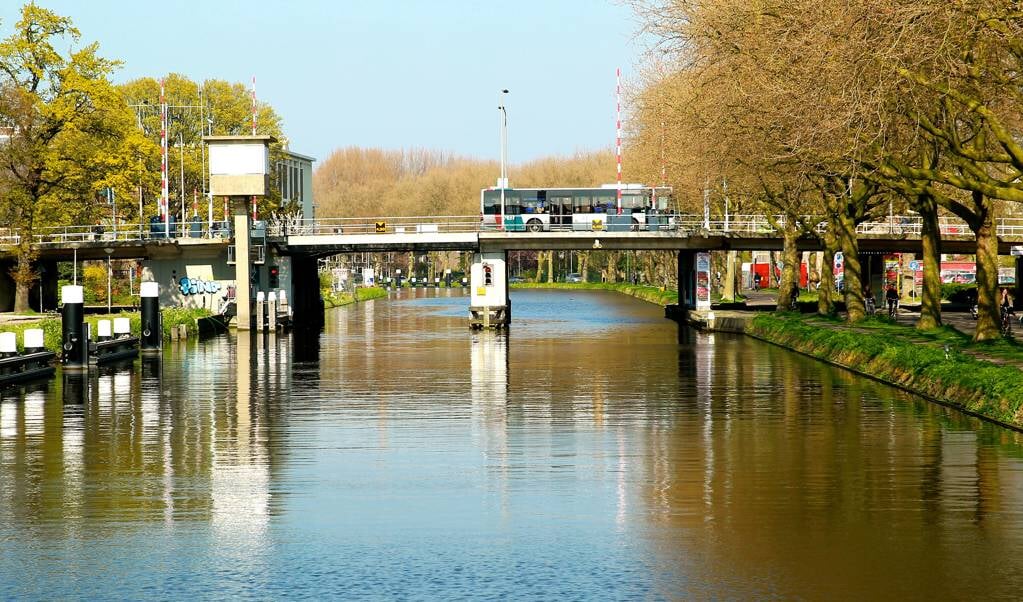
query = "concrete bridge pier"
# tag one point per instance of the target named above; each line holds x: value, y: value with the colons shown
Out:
x: 242, y: 262
x: 305, y: 301
x: 686, y: 287
x: 489, y: 304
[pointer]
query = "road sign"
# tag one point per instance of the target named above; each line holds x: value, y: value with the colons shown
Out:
x: 915, y: 265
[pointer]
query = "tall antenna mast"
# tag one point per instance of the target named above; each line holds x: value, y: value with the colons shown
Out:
x: 618, y: 132
x: 164, y: 190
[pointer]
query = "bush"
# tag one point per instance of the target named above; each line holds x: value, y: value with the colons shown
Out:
x: 959, y: 293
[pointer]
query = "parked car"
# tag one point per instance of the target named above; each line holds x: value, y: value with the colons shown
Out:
x: 573, y: 277
x: 515, y: 279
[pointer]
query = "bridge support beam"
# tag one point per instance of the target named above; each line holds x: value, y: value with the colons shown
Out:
x: 489, y: 304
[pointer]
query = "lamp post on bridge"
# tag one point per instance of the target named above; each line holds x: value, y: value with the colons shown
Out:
x: 502, y: 182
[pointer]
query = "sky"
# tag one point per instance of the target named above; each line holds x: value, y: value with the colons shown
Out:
x: 388, y: 74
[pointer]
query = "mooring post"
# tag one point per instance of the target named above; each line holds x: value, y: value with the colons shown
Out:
x: 152, y: 329
x: 271, y: 311
x: 8, y: 344
x: 122, y: 328
x: 74, y: 330
x: 260, y: 308
x: 103, y: 332
x: 33, y: 339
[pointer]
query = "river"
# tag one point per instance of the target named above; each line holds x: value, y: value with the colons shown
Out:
x: 596, y: 451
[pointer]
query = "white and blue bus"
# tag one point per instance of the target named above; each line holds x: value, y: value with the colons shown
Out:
x: 545, y: 209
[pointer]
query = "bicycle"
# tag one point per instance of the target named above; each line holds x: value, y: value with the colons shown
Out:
x: 893, y: 310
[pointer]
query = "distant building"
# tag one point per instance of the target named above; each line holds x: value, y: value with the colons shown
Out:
x: 295, y: 177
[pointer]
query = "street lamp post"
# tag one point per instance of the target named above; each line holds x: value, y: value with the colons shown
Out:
x: 109, y: 251
x: 503, y: 181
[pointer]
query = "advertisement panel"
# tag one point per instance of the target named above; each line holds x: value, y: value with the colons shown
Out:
x: 703, y: 281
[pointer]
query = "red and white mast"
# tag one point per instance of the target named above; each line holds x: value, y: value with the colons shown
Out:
x: 255, y: 210
x: 618, y: 132
x: 164, y: 190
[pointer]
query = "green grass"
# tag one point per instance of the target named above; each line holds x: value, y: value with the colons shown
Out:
x: 342, y: 299
x: 651, y: 294
x: 909, y: 358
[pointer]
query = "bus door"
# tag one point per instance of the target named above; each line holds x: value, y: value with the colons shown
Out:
x: 561, y: 210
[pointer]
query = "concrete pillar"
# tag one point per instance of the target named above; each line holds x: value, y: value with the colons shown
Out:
x: 242, y: 263
x: 152, y: 330
x: 489, y: 304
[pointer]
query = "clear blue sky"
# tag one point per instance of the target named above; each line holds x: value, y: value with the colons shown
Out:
x: 388, y: 74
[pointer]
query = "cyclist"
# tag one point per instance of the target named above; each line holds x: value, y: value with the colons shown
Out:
x: 892, y: 297
x: 868, y: 299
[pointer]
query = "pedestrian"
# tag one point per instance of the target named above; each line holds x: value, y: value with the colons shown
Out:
x: 756, y: 282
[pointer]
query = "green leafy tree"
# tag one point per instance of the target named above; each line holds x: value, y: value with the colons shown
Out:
x: 67, y: 127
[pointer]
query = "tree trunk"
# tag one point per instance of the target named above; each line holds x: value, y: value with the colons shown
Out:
x: 930, y: 240
x: 550, y: 266
x: 584, y: 257
x: 988, y: 318
x: 24, y: 276
x: 790, y: 266
x: 853, y: 273
x: 728, y: 290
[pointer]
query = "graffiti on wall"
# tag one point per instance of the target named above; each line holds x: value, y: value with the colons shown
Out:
x: 197, y: 286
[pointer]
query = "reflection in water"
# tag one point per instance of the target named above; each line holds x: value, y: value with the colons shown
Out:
x: 594, y: 452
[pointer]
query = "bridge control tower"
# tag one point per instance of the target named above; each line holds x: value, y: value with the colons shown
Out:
x: 240, y: 169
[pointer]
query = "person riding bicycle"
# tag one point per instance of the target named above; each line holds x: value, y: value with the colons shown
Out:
x: 892, y: 297
x: 868, y: 298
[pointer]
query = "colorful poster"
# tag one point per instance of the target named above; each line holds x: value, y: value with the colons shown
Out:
x: 703, y: 281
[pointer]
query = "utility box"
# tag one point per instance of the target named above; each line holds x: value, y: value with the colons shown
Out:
x: 239, y: 165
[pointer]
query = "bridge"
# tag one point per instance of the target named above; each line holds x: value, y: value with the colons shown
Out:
x: 297, y: 244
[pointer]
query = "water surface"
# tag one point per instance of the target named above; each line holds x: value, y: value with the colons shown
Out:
x: 594, y: 452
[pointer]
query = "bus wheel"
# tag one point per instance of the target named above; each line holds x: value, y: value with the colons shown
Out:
x: 635, y: 225
x: 534, y: 225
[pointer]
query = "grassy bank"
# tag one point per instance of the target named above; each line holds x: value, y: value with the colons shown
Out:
x: 341, y: 299
x: 51, y: 325
x: 651, y: 294
x: 942, y: 364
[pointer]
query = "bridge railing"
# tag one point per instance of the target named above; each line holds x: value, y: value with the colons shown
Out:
x: 377, y: 225
x: 129, y: 232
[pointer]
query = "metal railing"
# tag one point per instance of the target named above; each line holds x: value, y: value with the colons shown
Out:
x: 681, y: 224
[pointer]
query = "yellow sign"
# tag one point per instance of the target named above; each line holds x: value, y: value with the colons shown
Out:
x: 381, y: 227
x: 481, y: 291
x: 598, y: 224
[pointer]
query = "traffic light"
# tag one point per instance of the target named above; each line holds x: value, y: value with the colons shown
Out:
x: 275, y: 274
x: 488, y: 275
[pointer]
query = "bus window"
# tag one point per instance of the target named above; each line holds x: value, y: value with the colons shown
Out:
x: 582, y: 203
x: 633, y: 203
x: 606, y: 201
x: 560, y: 205
x: 529, y: 201
x: 491, y: 202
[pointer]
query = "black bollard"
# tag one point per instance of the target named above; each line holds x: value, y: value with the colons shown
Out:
x: 152, y: 329
x: 74, y: 330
